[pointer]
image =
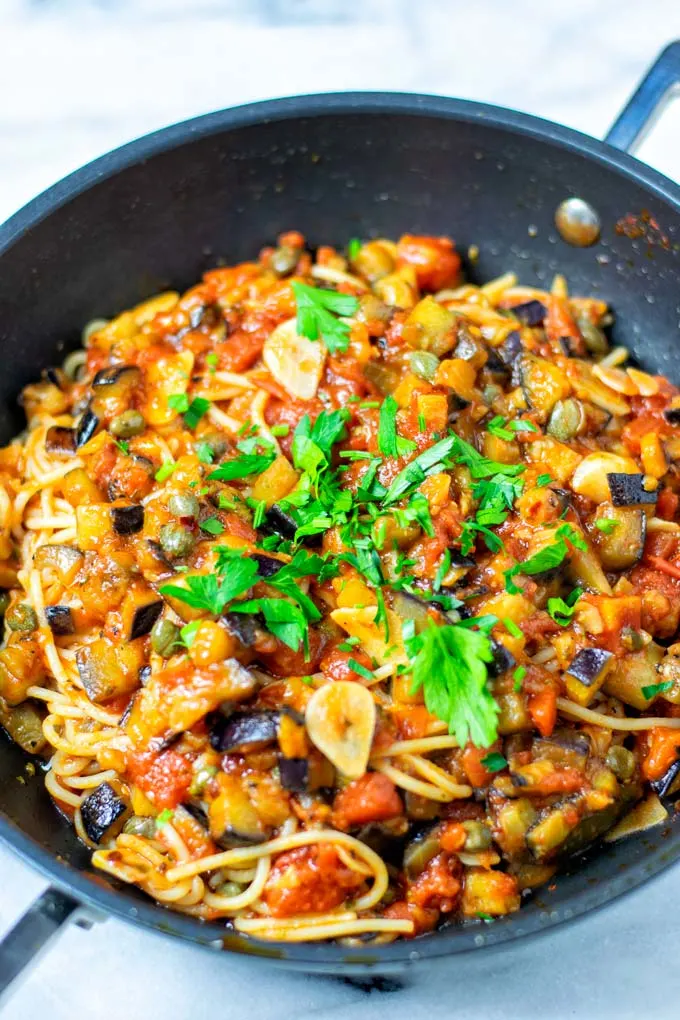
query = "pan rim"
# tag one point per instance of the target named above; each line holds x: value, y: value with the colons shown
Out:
x: 328, y: 958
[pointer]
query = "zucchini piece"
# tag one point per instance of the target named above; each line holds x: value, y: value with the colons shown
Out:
x: 632, y: 673
x: 543, y: 383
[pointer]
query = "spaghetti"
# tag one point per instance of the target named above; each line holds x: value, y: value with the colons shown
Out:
x: 340, y: 593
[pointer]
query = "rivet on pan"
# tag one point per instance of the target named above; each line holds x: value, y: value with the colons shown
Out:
x: 577, y: 222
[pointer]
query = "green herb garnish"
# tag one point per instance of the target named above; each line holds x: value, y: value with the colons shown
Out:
x: 546, y: 559
x: 450, y: 664
x: 562, y: 610
x: 317, y: 315
x: 212, y: 525
x: 494, y: 762
x: 389, y: 443
x: 651, y: 690
x: 165, y: 470
x: 606, y: 525
x: 206, y: 591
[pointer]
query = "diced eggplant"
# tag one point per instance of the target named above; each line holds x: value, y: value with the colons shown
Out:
x: 244, y: 731
x: 278, y: 522
x: 247, y: 628
x: 294, y: 774
x: 543, y: 383
x: 24, y: 725
x: 61, y: 441
x: 117, y: 374
x: 632, y: 673
x: 669, y: 784
x: 107, y: 671
x: 419, y: 852
x: 267, y: 566
x: 629, y: 490
x: 672, y: 415
x: 102, y: 810
x: 511, y: 348
x: 422, y: 809
x: 60, y: 620
x: 87, y: 426
x: 564, y: 747
x: 65, y: 560
x: 550, y: 832
x: 127, y: 520
x: 586, y: 673
x: 531, y: 313
x: 502, y: 660
x: 232, y: 817
x: 623, y: 546
x: 594, y: 826
x: 144, y: 618
x: 51, y: 375
x: 410, y: 607
x: 144, y: 676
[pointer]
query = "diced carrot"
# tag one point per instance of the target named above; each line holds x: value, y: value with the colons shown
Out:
x: 472, y: 763
x: 434, y: 259
x: 543, y: 710
x: 663, y: 747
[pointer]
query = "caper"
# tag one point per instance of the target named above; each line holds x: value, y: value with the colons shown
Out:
x: 21, y: 616
x: 478, y: 836
x: 284, y: 260
x: 139, y: 825
x: 593, y: 337
x: 621, y: 761
x: 164, y: 636
x: 217, y: 444
x: 4, y: 602
x: 201, y: 780
x: 128, y: 424
x: 229, y: 889
x: 183, y: 504
x: 566, y: 419
x: 175, y: 540
x: 424, y: 364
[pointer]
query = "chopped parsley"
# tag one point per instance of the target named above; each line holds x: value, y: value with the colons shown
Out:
x: 494, y: 762
x: 317, y: 315
x: 651, y: 690
x: 606, y: 525
x: 498, y: 427
x: 205, y: 453
x: 518, y: 677
x: 123, y: 445
x: 242, y: 467
x: 193, y: 411
x: 359, y: 669
x: 389, y: 443
x: 164, y: 817
x: 207, y: 591
x: 285, y: 621
x: 449, y: 663
x: 353, y: 248
x: 562, y: 610
x: 212, y: 525
x: 280, y: 430
x: 212, y: 362
x: 545, y: 559
x: 543, y: 480
x: 512, y: 627
x: 165, y: 470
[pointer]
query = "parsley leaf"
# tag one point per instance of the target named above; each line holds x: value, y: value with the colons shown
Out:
x: 606, y: 525
x: 212, y: 525
x: 193, y: 411
x: 562, y: 610
x: 389, y: 443
x: 312, y: 444
x: 359, y: 669
x: 545, y: 559
x: 205, y: 453
x: 651, y: 690
x: 316, y: 315
x: 494, y: 762
x: 123, y: 445
x: 242, y: 467
x: 449, y: 663
x: 285, y: 621
x: 353, y: 248
x: 165, y: 470
x: 205, y: 591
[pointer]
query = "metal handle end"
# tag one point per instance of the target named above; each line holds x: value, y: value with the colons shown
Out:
x: 648, y: 101
x: 43, y: 920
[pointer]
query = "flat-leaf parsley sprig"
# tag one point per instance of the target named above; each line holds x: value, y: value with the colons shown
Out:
x: 318, y: 314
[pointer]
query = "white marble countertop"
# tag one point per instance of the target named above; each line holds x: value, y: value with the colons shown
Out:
x: 78, y: 77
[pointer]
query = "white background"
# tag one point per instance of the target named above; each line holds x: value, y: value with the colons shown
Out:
x: 78, y: 77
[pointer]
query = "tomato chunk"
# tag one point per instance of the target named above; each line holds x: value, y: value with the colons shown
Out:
x: 371, y: 798
x: 311, y: 879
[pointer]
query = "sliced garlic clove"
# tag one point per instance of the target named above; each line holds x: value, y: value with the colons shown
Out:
x: 340, y: 721
x: 590, y: 477
x: 294, y: 361
x: 362, y: 624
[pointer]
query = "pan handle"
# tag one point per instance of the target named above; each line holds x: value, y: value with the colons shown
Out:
x: 656, y: 89
x: 44, y: 919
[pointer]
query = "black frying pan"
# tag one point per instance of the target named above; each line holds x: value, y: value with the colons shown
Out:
x: 161, y: 210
